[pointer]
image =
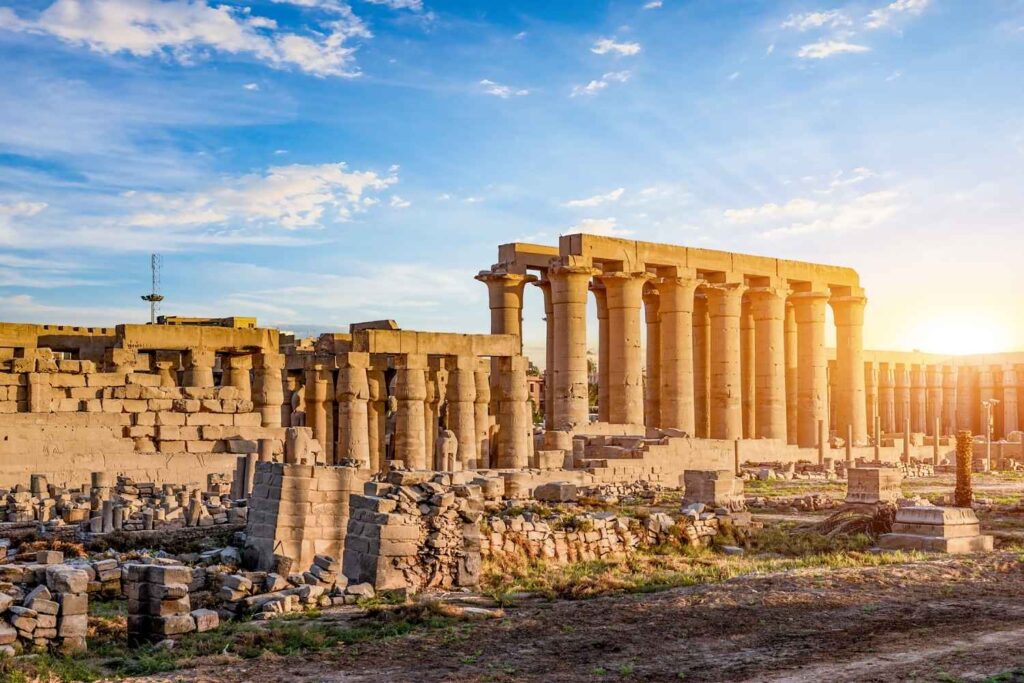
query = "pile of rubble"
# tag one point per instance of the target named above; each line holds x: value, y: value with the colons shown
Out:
x: 418, y: 530
x: 831, y: 471
x: 630, y: 493
x: 43, y: 604
x: 812, y: 502
x: 122, y: 505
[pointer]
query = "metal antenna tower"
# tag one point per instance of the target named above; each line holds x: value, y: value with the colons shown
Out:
x: 154, y: 297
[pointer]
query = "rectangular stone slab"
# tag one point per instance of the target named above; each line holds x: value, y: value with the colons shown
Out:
x: 968, y: 544
x: 947, y: 516
x: 937, y: 530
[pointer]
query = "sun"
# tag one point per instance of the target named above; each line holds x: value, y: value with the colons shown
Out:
x: 959, y: 334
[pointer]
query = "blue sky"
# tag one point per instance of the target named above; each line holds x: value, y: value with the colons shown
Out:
x: 319, y: 162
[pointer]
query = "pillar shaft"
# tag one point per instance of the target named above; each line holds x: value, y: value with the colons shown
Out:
x: 436, y: 382
x: 812, y: 366
x: 933, y: 398
x: 886, y: 398
x: 850, y: 402
x: 319, y: 393
x: 625, y: 355
x: 652, y: 380
x: 678, y: 404
x: 871, y: 397
x: 505, y: 297
x: 239, y: 370
x: 199, y: 368
x: 461, y: 394
x: 747, y: 374
x: 376, y: 411
x: 725, y: 302
x: 410, y: 394
x: 1010, y: 423
x: 768, y: 308
x: 603, y: 384
x: 569, y: 285
x: 966, y: 398
x: 792, y: 410
x: 549, y: 354
x: 481, y: 413
x: 514, y: 424
x: 352, y: 393
x: 949, y: 399
x: 902, y: 393
x: 701, y: 366
x: 918, y: 399
x: 268, y: 388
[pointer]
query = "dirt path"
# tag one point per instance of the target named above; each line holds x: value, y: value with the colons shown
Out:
x: 956, y: 617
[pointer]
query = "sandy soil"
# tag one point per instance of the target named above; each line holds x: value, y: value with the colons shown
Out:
x: 950, y: 619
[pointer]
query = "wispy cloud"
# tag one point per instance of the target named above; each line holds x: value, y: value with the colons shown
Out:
x: 608, y: 45
x: 596, y: 200
x: 829, y: 48
x: 412, y: 5
x: 184, y: 30
x: 653, y: 4
x: 832, y: 18
x: 502, y: 91
x: 251, y: 86
x: 608, y: 227
x: 884, y: 16
x: 597, y: 85
x: 399, y: 203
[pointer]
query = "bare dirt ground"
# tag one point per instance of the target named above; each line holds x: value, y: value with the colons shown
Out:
x: 946, y: 619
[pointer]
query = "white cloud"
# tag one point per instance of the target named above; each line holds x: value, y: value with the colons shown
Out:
x: 502, y: 91
x: 772, y: 211
x: 596, y: 200
x: 520, y: 35
x: 893, y: 76
x: 399, y: 203
x: 597, y: 85
x: 855, y: 177
x: 653, y: 4
x: 883, y: 16
x: 413, y: 5
x: 828, y: 48
x: 13, y: 211
x: 607, y: 227
x: 606, y: 45
x: 770, y: 49
x: 734, y: 75
x: 832, y: 18
x: 185, y: 31
x: 865, y: 211
x: 295, y: 196
x: 252, y: 86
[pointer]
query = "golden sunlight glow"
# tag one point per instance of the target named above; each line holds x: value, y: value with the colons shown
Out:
x: 959, y: 333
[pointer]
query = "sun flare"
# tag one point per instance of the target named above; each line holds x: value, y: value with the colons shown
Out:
x: 959, y: 334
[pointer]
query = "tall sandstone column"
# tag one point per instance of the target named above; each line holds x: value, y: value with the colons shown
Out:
x: 678, y: 402
x: 514, y: 424
x: 319, y: 406
x: 812, y: 366
x: 352, y: 393
x: 768, y: 307
x: 725, y: 302
x: 850, y: 403
x: 871, y: 396
x: 549, y: 354
x: 701, y: 364
x: 625, y: 355
x: 505, y: 295
x: 652, y: 379
x: 966, y: 399
x: 569, y: 287
x: 268, y: 388
x: 410, y: 394
x: 949, y: 399
x: 933, y: 405
x: 747, y: 380
x: 239, y: 368
x: 603, y: 384
x: 1010, y: 416
x: 481, y: 412
x: 792, y: 403
x: 986, y: 392
x: 462, y: 408
x: 918, y: 399
x: 376, y: 411
x: 886, y: 398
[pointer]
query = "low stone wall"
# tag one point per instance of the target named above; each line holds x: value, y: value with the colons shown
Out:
x: 44, y: 605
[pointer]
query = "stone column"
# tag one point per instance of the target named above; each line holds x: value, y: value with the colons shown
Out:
x: 747, y: 382
x: 1010, y: 417
x: 569, y: 286
x: 918, y: 399
x: 601, y: 297
x: 949, y: 399
x: 725, y: 302
x: 199, y: 368
x: 812, y: 366
x: 318, y: 390
x: 352, y: 393
x: 966, y: 399
x: 376, y: 411
x: 505, y: 294
x: 481, y: 414
x: 461, y: 395
x: 933, y: 397
x: 871, y: 396
x: 886, y: 398
x: 436, y: 387
x: 792, y: 410
x: 514, y: 424
x: 625, y: 357
x: 902, y: 394
x: 166, y: 370
x: 850, y: 402
x: 410, y: 393
x: 238, y: 375
x: 986, y: 392
x: 268, y: 388
x: 549, y: 356
x: 701, y: 365
x: 768, y: 307
x: 678, y: 363
x: 652, y: 376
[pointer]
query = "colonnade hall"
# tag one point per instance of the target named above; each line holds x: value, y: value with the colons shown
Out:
x: 735, y: 344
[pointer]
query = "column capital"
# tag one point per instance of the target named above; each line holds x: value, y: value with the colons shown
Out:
x: 809, y: 306
x: 652, y: 303
x: 768, y: 303
x: 725, y: 299
x: 504, y: 278
x: 625, y: 289
x: 848, y: 309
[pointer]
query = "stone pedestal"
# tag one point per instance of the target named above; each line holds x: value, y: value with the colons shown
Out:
x: 717, y: 488
x: 871, y: 485
x: 936, y: 529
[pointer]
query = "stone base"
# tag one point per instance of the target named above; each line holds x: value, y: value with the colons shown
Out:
x: 934, y: 544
